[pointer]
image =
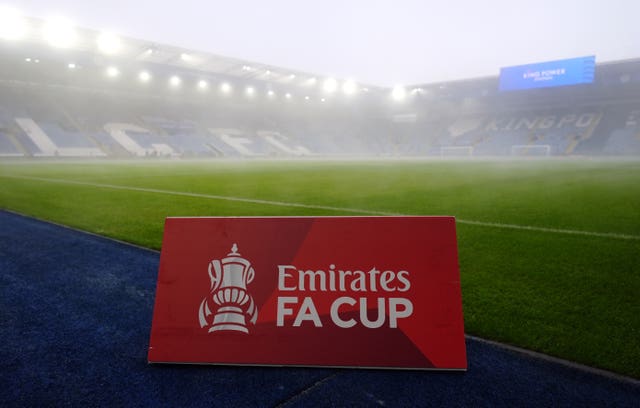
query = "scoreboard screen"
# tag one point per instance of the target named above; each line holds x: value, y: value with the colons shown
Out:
x: 548, y: 74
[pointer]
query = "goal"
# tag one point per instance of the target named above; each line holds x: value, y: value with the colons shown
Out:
x: 456, y: 151
x: 531, y: 150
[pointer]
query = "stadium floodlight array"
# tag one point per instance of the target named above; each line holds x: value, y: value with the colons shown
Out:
x: 112, y: 72
x: 398, y: 93
x: 175, y: 81
x: 144, y: 76
x: 60, y: 32
x: 225, y: 88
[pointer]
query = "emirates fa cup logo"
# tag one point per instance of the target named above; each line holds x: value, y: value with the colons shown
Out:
x: 228, y: 297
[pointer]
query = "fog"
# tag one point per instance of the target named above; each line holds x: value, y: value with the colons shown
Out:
x: 374, y: 42
x: 151, y: 99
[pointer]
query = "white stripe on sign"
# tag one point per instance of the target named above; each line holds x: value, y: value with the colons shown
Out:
x: 324, y: 207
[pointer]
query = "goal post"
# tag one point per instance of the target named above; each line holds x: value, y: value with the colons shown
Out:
x: 456, y: 151
x: 531, y: 150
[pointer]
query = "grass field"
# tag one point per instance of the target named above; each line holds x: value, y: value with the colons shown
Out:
x: 549, y: 250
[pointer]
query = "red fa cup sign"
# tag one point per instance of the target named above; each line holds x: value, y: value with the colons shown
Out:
x: 310, y: 291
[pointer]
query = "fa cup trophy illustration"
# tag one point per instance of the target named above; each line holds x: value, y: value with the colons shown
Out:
x: 228, y: 296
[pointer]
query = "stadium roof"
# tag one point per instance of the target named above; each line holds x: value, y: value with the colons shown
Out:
x: 131, y: 51
x: 384, y: 43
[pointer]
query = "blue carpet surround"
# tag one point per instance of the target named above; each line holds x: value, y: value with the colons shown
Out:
x: 75, y: 316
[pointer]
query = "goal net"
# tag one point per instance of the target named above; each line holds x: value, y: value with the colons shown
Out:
x: 456, y: 151
x: 531, y: 150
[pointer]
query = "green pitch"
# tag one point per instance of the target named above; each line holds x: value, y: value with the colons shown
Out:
x: 549, y: 250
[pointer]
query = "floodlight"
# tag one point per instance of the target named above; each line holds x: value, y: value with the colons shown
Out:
x: 250, y: 91
x: 225, y: 87
x: 186, y: 57
x: 330, y: 85
x: 271, y: 94
x: 287, y: 95
x: 292, y: 76
x: 144, y: 76
x: 322, y: 100
x: 175, y: 81
x: 27, y: 59
x: 399, y: 93
x: 267, y: 72
x: 71, y: 65
x: 202, y: 84
x: 312, y: 81
x: 59, y: 32
x: 12, y: 24
x: 306, y: 98
x: 109, y: 43
x: 36, y: 61
x: 349, y: 87
x: 113, y: 72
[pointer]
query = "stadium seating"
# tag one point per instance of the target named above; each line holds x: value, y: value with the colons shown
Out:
x: 67, y: 121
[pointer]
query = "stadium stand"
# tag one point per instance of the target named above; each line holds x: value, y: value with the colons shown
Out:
x: 103, y: 127
x: 497, y: 135
x: 49, y: 110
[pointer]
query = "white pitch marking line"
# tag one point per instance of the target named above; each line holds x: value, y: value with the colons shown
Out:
x: 324, y: 207
x: 553, y: 230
